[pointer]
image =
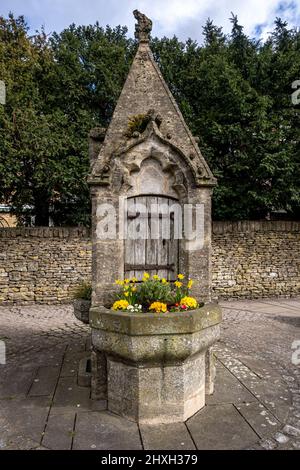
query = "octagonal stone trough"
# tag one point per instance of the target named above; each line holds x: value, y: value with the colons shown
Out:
x: 158, y: 366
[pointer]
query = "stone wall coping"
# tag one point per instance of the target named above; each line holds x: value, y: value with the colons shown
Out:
x: 218, y: 227
x: 148, y: 324
x: 255, y: 226
x: 45, y: 232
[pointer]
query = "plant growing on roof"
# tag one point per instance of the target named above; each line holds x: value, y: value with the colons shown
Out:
x: 137, y: 123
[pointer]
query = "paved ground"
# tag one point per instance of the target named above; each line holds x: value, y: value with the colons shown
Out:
x: 256, y: 403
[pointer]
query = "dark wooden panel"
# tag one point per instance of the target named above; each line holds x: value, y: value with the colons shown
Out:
x: 158, y: 253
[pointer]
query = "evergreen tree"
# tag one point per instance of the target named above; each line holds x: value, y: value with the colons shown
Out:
x: 234, y: 92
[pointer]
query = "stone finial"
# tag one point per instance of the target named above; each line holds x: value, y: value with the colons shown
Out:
x: 143, y: 27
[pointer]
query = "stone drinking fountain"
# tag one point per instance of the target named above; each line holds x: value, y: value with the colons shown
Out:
x: 149, y: 367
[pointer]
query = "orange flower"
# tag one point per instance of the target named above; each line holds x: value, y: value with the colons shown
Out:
x: 158, y: 307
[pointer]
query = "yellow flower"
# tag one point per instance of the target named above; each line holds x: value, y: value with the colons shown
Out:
x: 146, y: 276
x: 133, y: 279
x: 158, y: 307
x: 126, y: 281
x: 126, y: 294
x: 164, y: 281
x: 190, y: 302
x: 178, y: 284
x: 120, y: 305
x: 155, y: 277
x: 119, y: 282
x: 180, y: 276
x: 133, y: 289
x: 190, y: 283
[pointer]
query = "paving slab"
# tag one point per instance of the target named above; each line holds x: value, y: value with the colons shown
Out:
x: 15, y: 381
x: 238, y: 369
x: 173, y: 436
x: 254, y: 358
x: 71, y: 363
x: 229, y: 390
x: 23, y: 417
x: 78, y: 346
x: 219, y: 427
x: 59, y: 431
x: 45, y: 381
x: 260, y: 418
x: 272, y: 391
x: 104, y: 431
x: 290, y: 303
x: 264, y: 306
x: 284, y: 306
x: 70, y: 397
x: 274, y: 396
x: 258, y: 367
x: 49, y: 356
x: 17, y: 442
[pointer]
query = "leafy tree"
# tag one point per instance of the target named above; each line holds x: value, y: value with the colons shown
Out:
x: 234, y: 92
x: 58, y: 88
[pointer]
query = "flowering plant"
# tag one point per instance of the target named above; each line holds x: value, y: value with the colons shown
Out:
x: 155, y: 294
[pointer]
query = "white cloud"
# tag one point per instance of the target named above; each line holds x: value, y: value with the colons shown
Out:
x: 181, y: 17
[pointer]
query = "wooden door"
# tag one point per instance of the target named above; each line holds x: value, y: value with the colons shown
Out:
x: 156, y: 250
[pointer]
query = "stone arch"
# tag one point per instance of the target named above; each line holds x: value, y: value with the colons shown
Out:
x: 153, y: 153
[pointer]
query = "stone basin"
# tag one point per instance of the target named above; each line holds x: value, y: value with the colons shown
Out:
x: 158, y: 365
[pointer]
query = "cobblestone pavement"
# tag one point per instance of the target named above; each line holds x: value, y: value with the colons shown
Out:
x: 256, y: 403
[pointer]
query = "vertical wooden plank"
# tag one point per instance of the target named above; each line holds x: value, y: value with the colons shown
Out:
x: 129, y: 243
x: 152, y: 242
x: 140, y: 242
x: 173, y: 252
x: 163, y: 243
x: 159, y: 248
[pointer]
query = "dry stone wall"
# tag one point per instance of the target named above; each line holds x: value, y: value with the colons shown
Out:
x: 43, y: 264
x: 250, y: 260
x: 253, y: 259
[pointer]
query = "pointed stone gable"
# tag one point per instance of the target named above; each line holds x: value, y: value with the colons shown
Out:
x: 148, y: 157
x: 145, y: 91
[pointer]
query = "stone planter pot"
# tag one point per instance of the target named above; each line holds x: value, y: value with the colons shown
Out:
x: 156, y: 364
x: 82, y: 309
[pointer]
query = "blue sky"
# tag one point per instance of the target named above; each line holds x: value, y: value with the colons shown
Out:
x: 184, y: 18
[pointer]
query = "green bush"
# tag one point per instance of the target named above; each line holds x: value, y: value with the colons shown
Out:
x: 152, y: 290
x: 137, y: 123
x: 83, y: 291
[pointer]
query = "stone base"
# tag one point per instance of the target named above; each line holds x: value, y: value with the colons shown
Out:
x: 154, y: 368
x: 84, y: 372
x: 82, y: 310
x: 99, y: 376
x: 153, y: 395
x: 210, y: 372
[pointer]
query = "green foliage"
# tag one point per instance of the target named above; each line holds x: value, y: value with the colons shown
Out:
x: 234, y: 92
x: 84, y: 291
x: 152, y: 290
x: 146, y: 292
x: 137, y: 123
x: 58, y: 88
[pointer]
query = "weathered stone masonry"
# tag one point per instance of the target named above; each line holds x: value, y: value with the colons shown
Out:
x: 256, y: 259
x: 250, y: 260
x: 43, y: 264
